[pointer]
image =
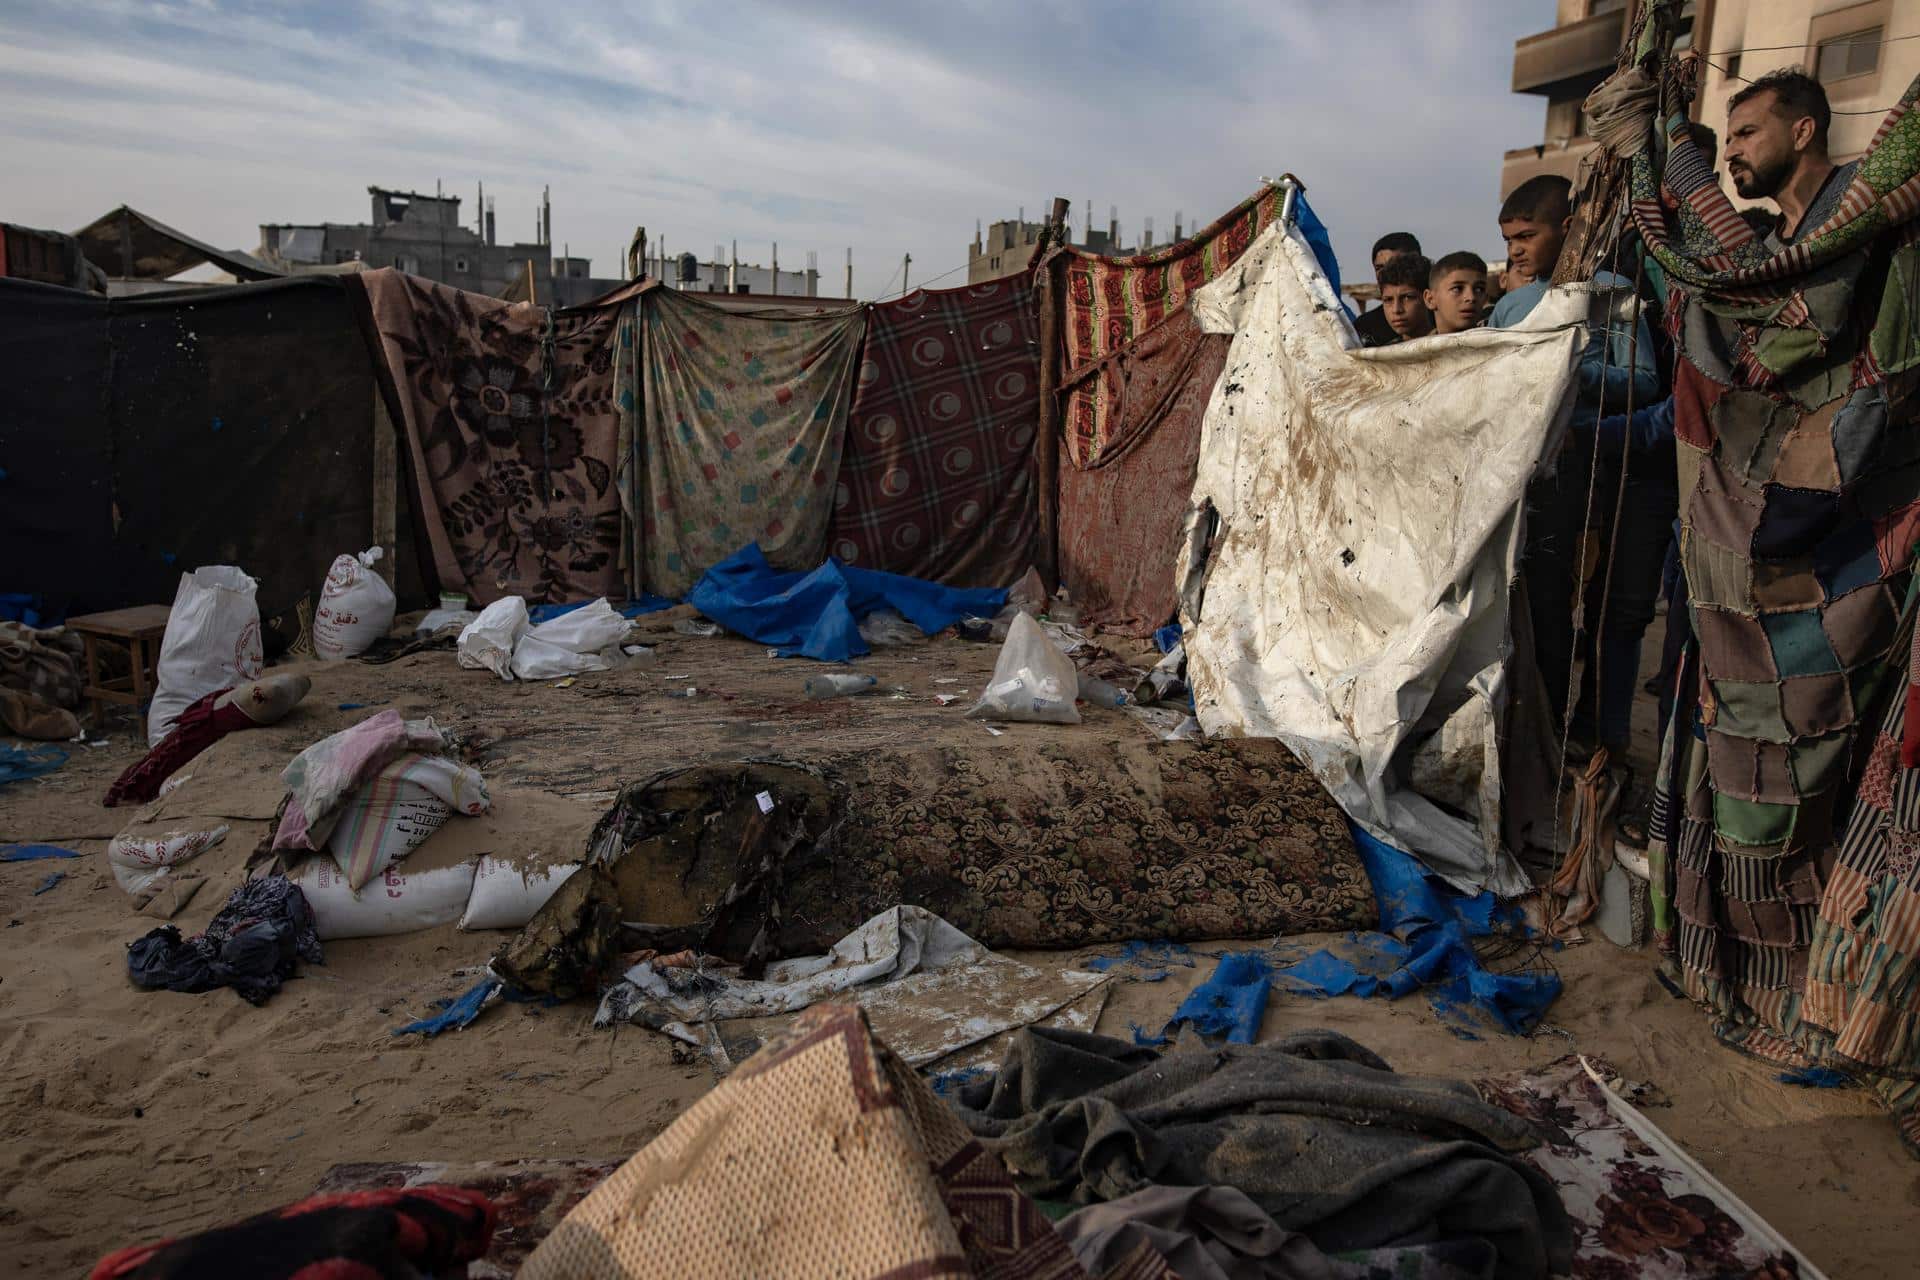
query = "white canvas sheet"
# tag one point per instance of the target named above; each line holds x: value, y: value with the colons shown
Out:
x: 1355, y: 600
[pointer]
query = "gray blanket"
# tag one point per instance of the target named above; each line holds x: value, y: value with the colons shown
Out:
x: 1316, y: 1130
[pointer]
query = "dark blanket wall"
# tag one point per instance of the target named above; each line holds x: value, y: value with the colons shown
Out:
x: 143, y: 437
x: 56, y: 444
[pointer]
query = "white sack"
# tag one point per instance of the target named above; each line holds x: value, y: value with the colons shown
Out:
x: 356, y: 607
x: 487, y: 642
x: 505, y: 897
x: 1032, y: 680
x: 585, y: 639
x: 1370, y: 502
x: 394, y: 902
x: 212, y: 642
x: 139, y: 861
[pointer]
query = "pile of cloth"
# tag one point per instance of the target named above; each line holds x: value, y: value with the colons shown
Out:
x: 204, y: 722
x: 40, y: 684
x: 373, y: 792
x: 251, y: 945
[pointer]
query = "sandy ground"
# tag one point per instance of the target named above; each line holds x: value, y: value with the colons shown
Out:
x: 131, y: 1115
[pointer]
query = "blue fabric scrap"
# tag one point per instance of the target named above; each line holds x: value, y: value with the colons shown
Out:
x: 817, y: 614
x: 1166, y: 637
x: 1230, y: 1002
x: 17, y: 764
x: 34, y: 852
x: 49, y: 882
x: 1423, y: 943
x: 455, y: 1013
x: 1815, y: 1078
x: 1157, y: 955
x: 649, y: 603
x: 947, y: 1084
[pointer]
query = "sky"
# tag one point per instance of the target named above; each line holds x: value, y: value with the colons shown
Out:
x: 884, y: 126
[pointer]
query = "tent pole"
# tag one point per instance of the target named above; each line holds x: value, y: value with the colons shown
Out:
x: 1052, y: 288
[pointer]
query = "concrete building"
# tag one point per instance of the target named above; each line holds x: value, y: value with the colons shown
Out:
x: 1856, y: 49
x: 424, y: 236
x: 723, y: 272
x: 1007, y: 247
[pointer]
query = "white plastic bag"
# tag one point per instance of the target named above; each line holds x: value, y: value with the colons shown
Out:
x: 396, y: 901
x: 487, y: 643
x: 356, y: 607
x: 505, y: 897
x: 212, y: 642
x: 586, y: 639
x: 1032, y: 680
x: 139, y: 861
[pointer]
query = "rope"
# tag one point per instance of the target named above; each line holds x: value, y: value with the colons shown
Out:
x: 1801, y: 48
x: 1734, y: 75
x: 924, y: 283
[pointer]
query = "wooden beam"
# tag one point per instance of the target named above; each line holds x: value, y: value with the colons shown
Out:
x: 386, y: 490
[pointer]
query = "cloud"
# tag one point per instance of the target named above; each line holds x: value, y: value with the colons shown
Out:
x: 885, y: 126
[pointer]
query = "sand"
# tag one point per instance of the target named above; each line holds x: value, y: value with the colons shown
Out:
x: 131, y: 1115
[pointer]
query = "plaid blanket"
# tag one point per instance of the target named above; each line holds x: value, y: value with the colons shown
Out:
x: 734, y: 432
x: 936, y: 480
x: 508, y: 416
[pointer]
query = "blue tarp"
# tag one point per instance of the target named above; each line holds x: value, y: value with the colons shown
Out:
x: 1317, y: 236
x: 453, y: 1013
x: 816, y: 615
x: 1230, y: 1002
x: 1423, y: 942
x: 34, y: 852
x: 540, y: 613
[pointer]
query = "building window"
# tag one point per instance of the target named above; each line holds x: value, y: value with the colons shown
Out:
x: 408, y: 263
x: 1857, y: 53
x: 459, y: 264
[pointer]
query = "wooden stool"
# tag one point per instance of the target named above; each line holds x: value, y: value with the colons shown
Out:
x: 138, y: 632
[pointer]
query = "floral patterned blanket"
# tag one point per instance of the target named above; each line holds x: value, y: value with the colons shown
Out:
x: 1642, y: 1208
x: 507, y: 411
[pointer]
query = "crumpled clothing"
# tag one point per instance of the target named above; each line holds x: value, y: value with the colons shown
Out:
x: 203, y: 723
x: 32, y: 716
x: 1217, y: 1233
x: 322, y: 777
x: 45, y: 663
x: 251, y: 945
x: 400, y: 1231
x: 1320, y: 1133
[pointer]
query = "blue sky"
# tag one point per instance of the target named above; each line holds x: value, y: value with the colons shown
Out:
x: 887, y: 127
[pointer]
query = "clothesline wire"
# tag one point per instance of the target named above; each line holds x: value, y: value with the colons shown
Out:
x: 924, y: 283
x: 1782, y: 48
x: 1734, y: 75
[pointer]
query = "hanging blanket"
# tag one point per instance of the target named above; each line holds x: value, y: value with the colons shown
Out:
x: 1111, y: 302
x: 937, y: 479
x: 508, y: 415
x: 1123, y: 504
x: 1800, y: 507
x: 740, y: 421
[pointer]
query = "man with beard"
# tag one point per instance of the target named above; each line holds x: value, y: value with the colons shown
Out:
x: 1777, y: 150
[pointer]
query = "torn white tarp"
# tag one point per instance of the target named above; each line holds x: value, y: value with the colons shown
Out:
x: 928, y: 990
x: 1355, y: 598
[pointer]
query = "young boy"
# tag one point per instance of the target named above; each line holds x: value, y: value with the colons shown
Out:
x: 1457, y: 292
x: 1403, y: 286
x: 1373, y: 327
x: 1534, y: 222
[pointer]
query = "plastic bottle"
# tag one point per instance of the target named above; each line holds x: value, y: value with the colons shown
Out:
x: 838, y: 684
x: 1102, y: 694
